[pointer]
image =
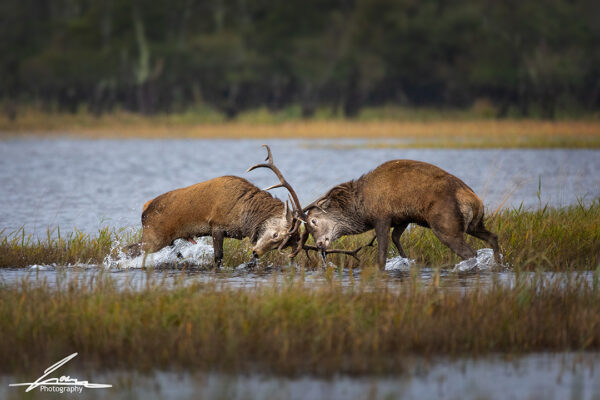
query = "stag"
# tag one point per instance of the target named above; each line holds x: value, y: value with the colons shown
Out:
x: 224, y: 207
x: 394, y: 195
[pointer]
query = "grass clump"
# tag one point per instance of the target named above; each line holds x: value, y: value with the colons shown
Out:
x: 19, y: 249
x: 291, y: 328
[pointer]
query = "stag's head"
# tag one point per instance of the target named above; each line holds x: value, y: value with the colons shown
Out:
x: 321, y: 223
x: 282, y: 231
x: 278, y: 232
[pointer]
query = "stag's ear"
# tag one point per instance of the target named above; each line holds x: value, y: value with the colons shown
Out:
x: 323, y: 203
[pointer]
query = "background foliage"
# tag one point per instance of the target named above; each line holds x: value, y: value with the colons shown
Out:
x: 524, y: 57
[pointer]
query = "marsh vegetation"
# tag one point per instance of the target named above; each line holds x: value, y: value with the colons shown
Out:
x: 552, y: 239
x: 292, y: 328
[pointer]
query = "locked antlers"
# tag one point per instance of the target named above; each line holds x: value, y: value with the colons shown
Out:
x: 298, y: 213
x: 307, y: 248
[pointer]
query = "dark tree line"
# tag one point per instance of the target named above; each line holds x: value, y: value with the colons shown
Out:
x: 164, y: 55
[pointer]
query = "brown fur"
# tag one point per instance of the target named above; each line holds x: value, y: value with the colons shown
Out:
x: 227, y: 206
x: 394, y: 195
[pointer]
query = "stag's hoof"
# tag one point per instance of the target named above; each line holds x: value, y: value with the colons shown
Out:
x: 253, y: 261
x: 218, y: 264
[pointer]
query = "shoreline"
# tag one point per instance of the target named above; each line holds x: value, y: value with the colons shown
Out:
x: 482, y: 133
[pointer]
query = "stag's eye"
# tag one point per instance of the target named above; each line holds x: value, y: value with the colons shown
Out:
x: 275, y: 235
x: 314, y: 221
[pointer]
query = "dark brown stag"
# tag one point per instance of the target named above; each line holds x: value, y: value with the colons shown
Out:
x: 224, y: 207
x: 394, y: 195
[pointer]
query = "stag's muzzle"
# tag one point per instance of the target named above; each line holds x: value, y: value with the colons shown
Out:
x: 323, y: 244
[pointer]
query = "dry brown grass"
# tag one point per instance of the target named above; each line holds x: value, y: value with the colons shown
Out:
x: 291, y: 327
x: 434, y: 133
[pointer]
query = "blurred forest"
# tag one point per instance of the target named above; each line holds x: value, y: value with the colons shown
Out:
x: 525, y: 57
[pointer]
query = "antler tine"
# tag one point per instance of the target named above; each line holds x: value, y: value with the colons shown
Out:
x: 264, y: 165
x: 300, y: 246
x: 282, y: 182
x: 353, y: 253
x: 269, y: 164
x: 288, y: 237
x: 277, y: 185
x: 269, y: 155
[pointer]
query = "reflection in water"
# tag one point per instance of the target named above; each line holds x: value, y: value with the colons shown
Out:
x: 269, y: 275
x: 542, y: 376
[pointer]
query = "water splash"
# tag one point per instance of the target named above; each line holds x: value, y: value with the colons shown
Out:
x: 399, y: 263
x: 41, y: 267
x: 181, y: 252
x: 484, y: 261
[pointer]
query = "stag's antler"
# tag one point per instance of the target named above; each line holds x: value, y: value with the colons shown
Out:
x: 306, y: 248
x: 353, y: 253
x: 298, y: 213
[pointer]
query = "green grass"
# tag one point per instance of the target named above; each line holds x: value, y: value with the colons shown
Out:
x: 19, y: 249
x: 553, y: 239
x: 291, y: 327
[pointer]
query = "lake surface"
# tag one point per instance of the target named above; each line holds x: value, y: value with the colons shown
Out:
x: 88, y: 184
x: 538, y: 376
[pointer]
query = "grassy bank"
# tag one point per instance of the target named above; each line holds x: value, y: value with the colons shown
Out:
x: 19, y: 249
x: 547, y: 238
x: 440, y: 130
x: 291, y: 328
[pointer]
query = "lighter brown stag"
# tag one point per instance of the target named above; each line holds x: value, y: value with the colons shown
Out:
x: 224, y: 207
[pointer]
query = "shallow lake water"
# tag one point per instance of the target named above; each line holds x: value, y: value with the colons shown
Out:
x: 88, y: 184
x: 129, y: 274
x: 538, y: 376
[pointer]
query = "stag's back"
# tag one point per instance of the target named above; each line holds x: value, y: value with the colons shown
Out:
x: 406, y: 188
x: 227, y: 203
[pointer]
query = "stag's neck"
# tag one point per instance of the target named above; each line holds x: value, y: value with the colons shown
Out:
x: 259, y: 215
x: 347, y: 206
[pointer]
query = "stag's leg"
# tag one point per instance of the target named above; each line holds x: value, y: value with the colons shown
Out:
x: 218, y: 237
x: 480, y: 232
x: 448, y: 227
x: 457, y: 243
x: 382, y: 231
x: 396, y: 233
